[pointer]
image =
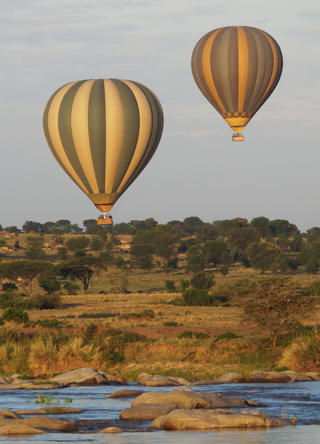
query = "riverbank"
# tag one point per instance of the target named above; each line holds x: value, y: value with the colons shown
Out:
x: 128, y: 334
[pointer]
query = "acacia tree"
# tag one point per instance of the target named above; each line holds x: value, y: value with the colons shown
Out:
x: 82, y: 269
x: 23, y: 273
x: 278, y: 305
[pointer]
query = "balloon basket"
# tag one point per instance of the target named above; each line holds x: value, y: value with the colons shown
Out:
x: 104, y: 219
x: 238, y: 137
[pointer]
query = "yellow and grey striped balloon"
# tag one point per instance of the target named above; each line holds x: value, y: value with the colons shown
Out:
x: 103, y: 132
x: 236, y: 68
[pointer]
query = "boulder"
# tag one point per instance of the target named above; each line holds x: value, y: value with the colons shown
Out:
x: 189, y: 399
x: 11, y: 428
x: 182, y: 399
x: 82, y: 376
x: 161, y: 381
x: 8, y: 414
x: 269, y: 377
x: 146, y: 412
x: 297, y: 377
x: 315, y: 376
x: 43, y: 422
x: 113, y: 379
x: 111, y: 430
x: 29, y: 385
x: 125, y: 394
x: 182, y: 419
x: 219, y: 401
x: 228, y: 378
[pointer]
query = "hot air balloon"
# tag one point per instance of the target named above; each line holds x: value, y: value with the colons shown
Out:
x: 237, y: 68
x: 103, y: 132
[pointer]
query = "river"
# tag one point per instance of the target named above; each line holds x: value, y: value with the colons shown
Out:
x: 300, y: 400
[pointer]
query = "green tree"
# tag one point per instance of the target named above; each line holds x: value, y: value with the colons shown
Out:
x: 262, y: 255
x: 278, y: 306
x: 191, y: 224
x: 82, y: 269
x: 30, y: 226
x: 282, y: 226
x: 202, y: 280
x: 23, y: 272
x: 49, y: 283
x: 96, y: 244
x: 90, y: 226
x: 196, y: 259
x: 217, y: 253
x: 34, y: 248
x: 77, y: 243
x: 261, y: 224
x: 309, y: 256
x: 164, y: 242
x: 142, y: 249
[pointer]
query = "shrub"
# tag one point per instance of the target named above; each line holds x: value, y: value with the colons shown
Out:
x: 170, y: 286
x: 202, y: 281
x: 48, y: 323
x: 46, y: 302
x: 50, y: 284
x: 16, y: 315
x: 9, y: 286
x: 196, y: 296
x: 71, y: 287
x: 227, y: 335
x: 187, y: 334
x: 170, y: 324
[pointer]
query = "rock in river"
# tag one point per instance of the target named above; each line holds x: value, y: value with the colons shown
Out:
x: 200, y: 419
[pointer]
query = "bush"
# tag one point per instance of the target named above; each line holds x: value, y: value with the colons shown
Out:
x: 16, y: 315
x: 170, y: 324
x: 12, y: 300
x: 46, y: 302
x: 50, y: 284
x: 170, y: 286
x: 196, y: 296
x: 9, y: 286
x: 187, y: 334
x: 227, y: 335
x: 202, y: 281
x: 71, y: 287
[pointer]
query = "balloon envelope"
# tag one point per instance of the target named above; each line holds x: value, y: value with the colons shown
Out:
x: 236, y: 68
x: 103, y: 132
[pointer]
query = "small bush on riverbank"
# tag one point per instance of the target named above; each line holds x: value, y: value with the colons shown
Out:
x: 303, y: 354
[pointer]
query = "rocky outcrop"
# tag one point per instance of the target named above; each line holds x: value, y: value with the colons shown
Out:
x: 38, y: 424
x: 86, y: 376
x: 227, y: 378
x: 201, y: 419
x: 161, y: 381
x: 18, y: 429
x: 53, y: 424
x: 8, y: 414
x: 146, y: 412
x: 111, y: 430
x: 189, y: 399
x: 29, y: 385
x: 125, y: 394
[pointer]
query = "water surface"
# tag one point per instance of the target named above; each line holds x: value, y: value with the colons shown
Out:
x: 300, y: 400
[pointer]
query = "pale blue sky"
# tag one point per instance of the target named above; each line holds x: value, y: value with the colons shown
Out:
x: 196, y: 170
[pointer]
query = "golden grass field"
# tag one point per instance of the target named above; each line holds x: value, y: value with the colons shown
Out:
x: 149, y: 334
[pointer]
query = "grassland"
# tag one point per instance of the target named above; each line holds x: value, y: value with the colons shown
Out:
x: 142, y: 331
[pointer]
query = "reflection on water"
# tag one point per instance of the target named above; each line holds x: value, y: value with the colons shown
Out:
x: 301, y: 400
